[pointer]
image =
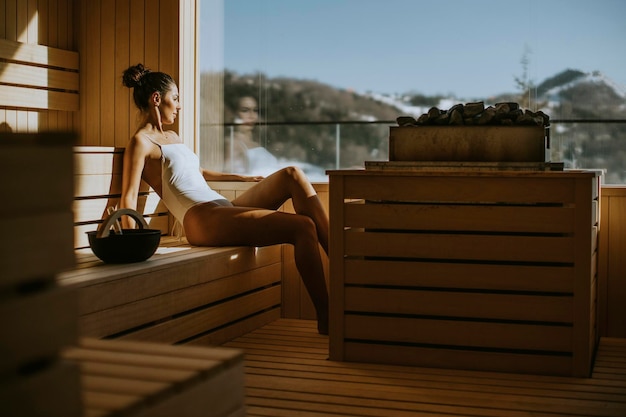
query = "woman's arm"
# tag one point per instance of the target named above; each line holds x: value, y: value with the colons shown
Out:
x: 222, y: 176
x: 134, y: 162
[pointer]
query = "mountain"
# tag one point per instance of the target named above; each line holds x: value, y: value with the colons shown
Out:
x: 296, y: 100
x: 570, y: 79
x: 570, y: 94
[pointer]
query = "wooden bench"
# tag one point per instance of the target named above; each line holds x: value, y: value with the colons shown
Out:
x: 182, y: 294
x: 156, y: 380
x: 48, y: 369
x: 38, y: 88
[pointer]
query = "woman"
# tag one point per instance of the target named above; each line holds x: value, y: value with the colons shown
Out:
x: 159, y: 157
x: 244, y: 155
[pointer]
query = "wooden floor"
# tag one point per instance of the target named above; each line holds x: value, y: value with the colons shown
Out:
x: 288, y: 374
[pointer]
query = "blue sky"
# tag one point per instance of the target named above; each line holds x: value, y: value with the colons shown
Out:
x: 471, y: 48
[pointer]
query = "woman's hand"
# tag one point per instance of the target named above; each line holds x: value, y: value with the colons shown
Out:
x: 221, y: 176
x: 254, y: 178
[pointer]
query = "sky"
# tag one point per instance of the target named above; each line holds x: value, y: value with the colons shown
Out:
x: 468, y: 48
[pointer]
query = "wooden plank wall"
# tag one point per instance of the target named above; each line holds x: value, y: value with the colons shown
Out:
x: 612, y: 262
x: 115, y: 34
x: 41, y: 22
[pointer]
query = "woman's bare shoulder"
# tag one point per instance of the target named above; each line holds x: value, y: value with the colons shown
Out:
x: 140, y: 145
x: 139, y: 140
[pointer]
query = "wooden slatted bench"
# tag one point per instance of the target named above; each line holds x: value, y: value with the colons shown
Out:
x: 48, y: 369
x: 182, y: 294
x: 147, y: 379
x: 38, y: 77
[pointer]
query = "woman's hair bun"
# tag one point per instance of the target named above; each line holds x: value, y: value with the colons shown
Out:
x: 133, y: 75
x: 144, y: 82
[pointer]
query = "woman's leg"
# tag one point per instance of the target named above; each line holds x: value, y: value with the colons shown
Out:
x: 210, y: 225
x: 282, y: 185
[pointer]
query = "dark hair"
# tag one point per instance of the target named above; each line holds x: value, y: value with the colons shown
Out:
x: 144, y: 82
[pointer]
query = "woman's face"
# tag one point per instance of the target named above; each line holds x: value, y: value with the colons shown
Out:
x: 170, y: 106
x: 248, y: 111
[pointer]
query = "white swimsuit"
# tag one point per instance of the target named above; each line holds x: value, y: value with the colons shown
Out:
x: 182, y: 183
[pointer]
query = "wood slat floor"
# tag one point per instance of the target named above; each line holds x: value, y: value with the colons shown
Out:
x: 288, y: 374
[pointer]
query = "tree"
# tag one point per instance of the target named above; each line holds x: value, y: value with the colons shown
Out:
x: 528, y: 90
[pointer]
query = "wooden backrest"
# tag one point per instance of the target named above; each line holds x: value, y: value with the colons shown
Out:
x: 38, y: 77
x: 98, y: 185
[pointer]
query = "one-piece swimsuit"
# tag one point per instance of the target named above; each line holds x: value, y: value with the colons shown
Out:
x: 183, y: 186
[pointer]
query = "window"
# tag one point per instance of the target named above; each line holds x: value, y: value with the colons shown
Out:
x: 323, y: 80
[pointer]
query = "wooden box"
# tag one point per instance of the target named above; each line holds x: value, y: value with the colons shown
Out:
x: 465, y: 269
x: 469, y: 143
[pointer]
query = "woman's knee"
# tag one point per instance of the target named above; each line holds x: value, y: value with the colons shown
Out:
x: 297, y: 177
x: 294, y: 173
x: 305, y: 227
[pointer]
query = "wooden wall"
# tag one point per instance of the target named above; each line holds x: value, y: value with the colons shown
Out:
x: 109, y: 35
x: 38, y: 22
x: 115, y: 34
x: 612, y: 262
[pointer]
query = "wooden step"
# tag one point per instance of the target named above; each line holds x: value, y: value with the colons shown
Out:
x: 121, y: 378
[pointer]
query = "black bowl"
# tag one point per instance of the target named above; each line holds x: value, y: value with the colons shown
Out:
x: 132, y: 245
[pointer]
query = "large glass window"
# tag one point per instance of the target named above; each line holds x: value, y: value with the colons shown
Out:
x: 317, y: 83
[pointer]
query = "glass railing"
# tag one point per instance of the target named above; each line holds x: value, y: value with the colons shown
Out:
x: 591, y: 144
x: 321, y: 146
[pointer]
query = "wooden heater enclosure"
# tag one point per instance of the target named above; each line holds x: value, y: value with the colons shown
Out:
x: 491, y: 270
